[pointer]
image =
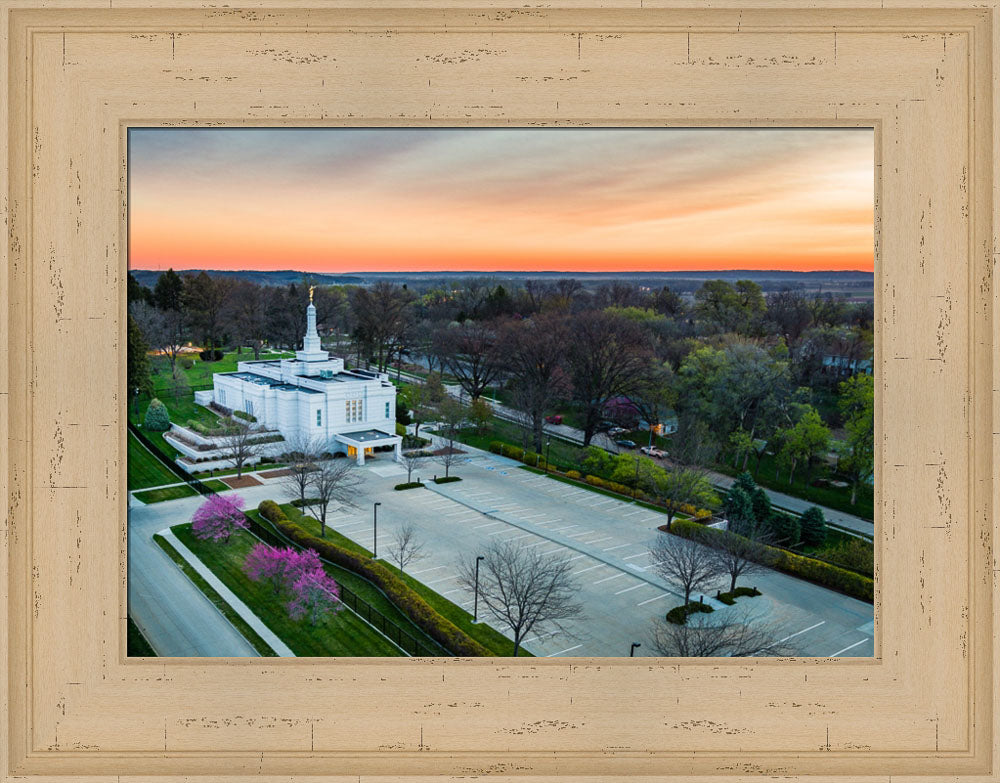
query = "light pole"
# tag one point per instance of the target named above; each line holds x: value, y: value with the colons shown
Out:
x: 475, y: 600
x: 631, y: 652
x: 375, y: 530
x: 548, y: 450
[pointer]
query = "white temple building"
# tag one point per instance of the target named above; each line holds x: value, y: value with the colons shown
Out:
x: 312, y: 398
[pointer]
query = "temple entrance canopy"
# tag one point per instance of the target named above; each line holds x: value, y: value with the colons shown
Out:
x: 362, y: 443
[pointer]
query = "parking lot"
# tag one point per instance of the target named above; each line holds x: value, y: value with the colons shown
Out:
x: 607, y: 542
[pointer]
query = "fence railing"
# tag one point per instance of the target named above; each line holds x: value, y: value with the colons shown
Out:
x: 385, y: 625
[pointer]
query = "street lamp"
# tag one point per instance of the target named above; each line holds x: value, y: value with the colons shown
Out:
x: 631, y: 652
x: 548, y: 448
x: 475, y: 604
x: 375, y: 530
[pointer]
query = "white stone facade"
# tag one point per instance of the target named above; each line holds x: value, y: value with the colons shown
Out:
x: 313, y: 398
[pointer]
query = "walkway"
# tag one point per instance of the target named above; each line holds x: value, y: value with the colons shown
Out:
x: 229, y: 596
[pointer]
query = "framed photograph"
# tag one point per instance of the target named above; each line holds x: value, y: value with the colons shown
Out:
x: 523, y: 393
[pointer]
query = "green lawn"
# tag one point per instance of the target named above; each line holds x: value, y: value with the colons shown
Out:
x: 136, y: 645
x: 200, y: 373
x: 345, y: 634
x: 145, y: 470
x: 482, y: 633
x: 174, y: 493
x: 564, y: 455
x: 354, y: 582
x: 248, y: 633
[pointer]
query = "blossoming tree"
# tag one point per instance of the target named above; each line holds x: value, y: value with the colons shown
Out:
x: 218, y: 518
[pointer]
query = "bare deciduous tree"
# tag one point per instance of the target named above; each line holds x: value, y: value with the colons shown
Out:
x: 453, y: 415
x: 241, y: 445
x: 703, y: 636
x: 522, y: 588
x: 411, y: 461
x: 688, y: 563
x: 301, y: 456
x: 469, y: 351
x: 405, y: 547
x: 331, y: 481
x: 742, y: 555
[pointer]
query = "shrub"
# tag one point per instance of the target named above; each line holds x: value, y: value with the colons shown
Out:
x: 808, y: 568
x: 679, y: 614
x: 573, y: 474
x: 855, y: 554
x: 447, y: 479
x: 730, y: 598
x: 187, y: 364
x: 300, y: 503
x: 439, y: 628
x: 245, y: 416
x: 212, y: 355
x: 157, y: 417
x: 496, y: 447
x: 222, y: 410
x: 614, y: 486
x: 409, y: 485
x: 784, y: 528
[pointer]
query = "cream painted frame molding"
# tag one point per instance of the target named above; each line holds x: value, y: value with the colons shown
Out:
x: 77, y: 74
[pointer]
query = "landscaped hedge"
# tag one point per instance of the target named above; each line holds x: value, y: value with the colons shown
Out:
x: 409, y: 485
x: 679, y: 614
x: 729, y: 598
x: 447, y: 479
x: 300, y: 503
x: 847, y: 582
x: 245, y: 416
x: 614, y: 486
x: 439, y: 628
x: 521, y: 455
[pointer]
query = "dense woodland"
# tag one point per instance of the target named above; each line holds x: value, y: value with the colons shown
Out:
x: 747, y: 376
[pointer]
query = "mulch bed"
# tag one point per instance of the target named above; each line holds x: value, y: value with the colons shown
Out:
x: 446, y: 450
x: 275, y: 473
x: 241, y: 482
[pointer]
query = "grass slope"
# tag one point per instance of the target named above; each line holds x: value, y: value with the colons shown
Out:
x: 344, y: 634
x: 145, y: 470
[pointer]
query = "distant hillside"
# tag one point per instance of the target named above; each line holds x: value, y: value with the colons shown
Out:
x: 286, y: 276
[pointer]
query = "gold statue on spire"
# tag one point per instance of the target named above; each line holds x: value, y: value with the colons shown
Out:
x: 311, y: 289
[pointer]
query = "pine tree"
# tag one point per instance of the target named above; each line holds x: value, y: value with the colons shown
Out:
x: 739, y: 510
x: 813, y: 527
x: 157, y: 417
x: 137, y: 361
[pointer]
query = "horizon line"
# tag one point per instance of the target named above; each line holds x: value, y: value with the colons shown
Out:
x: 523, y: 271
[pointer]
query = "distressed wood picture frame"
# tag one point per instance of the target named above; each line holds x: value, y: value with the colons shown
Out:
x: 78, y: 74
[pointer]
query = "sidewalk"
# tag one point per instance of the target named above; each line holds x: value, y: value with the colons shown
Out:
x: 229, y: 596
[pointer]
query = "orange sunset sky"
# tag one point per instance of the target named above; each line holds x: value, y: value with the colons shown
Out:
x: 587, y: 200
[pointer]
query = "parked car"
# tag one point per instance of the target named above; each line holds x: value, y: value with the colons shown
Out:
x: 652, y: 451
x: 616, y: 431
x: 554, y: 419
x: 625, y: 444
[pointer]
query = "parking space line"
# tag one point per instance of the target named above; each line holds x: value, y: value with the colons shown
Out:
x: 633, y: 587
x: 790, y: 636
x: 612, y: 548
x: 609, y: 578
x: 649, y: 600
x: 633, y: 557
x: 539, y: 636
x: 568, y: 649
x: 515, y: 538
x: 488, y: 524
x: 439, y: 581
x: 588, y: 568
x: 577, y: 557
x: 849, y: 647
x: 498, y: 532
x: 425, y: 570
x: 603, y: 538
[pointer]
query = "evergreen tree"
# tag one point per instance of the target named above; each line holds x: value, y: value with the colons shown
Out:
x: 813, y: 527
x: 157, y: 417
x: 137, y: 368
x: 739, y: 510
x: 137, y: 292
x: 784, y: 529
x: 168, y: 292
x: 761, y: 505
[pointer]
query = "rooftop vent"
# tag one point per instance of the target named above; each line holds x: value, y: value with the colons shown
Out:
x: 326, y: 374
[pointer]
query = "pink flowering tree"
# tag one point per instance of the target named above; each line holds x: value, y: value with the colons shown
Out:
x: 218, y: 518
x: 311, y: 593
x: 315, y: 596
x: 266, y: 564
